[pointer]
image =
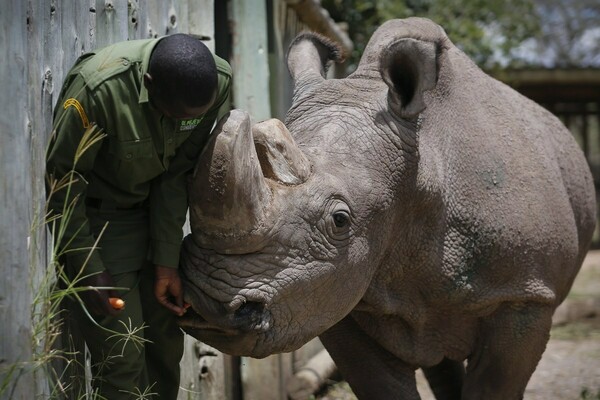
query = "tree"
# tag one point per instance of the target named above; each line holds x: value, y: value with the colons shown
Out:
x: 487, y: 30
x: 569, y: 35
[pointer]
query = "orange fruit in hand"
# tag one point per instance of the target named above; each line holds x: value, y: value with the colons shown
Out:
x: 116, y: 303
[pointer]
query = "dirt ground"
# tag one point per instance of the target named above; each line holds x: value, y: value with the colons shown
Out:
x: 570, y: 366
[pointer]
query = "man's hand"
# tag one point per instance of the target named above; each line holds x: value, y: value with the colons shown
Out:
x: 96, y: 300
x: 167, y: 289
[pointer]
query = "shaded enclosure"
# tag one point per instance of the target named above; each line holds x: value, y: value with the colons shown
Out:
x: 573, y: 95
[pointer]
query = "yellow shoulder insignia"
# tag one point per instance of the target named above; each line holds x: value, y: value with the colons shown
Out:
x: 74, y: 103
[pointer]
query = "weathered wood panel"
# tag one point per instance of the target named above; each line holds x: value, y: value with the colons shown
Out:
x: 39, y: 110
x: 250, y: 58
x: 15, y: 207
x: 40, y: 40
x: 111, y: 21
x: 201, y: 21
x: 285, y: 27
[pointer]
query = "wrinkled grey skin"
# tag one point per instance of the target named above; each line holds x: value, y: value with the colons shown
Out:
x: 420, y: 214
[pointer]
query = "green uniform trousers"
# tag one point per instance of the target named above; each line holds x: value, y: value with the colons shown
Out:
x: 124, y: 368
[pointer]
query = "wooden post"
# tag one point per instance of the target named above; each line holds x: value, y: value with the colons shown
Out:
x: 111, y: 21
x: 158, y: 15
x: 250, y: 58
x: 39, y: 115
x: 201, y: 21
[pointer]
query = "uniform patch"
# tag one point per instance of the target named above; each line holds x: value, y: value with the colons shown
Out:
x: 74, y: 103
x: 189, y: 124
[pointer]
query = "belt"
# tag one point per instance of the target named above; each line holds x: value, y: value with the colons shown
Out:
x: 103, y: 204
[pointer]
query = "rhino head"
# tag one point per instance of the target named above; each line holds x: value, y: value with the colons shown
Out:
x: 289, y: 227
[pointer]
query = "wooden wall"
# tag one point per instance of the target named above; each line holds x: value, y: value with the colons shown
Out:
x: 15, y: 199
x: 39, y: 42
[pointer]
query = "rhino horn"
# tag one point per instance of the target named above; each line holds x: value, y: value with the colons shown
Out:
x: 280, y: 158
x: 228, y: 193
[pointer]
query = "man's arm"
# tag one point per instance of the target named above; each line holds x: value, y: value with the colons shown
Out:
x: 74, y: 145
x: 73, y: 148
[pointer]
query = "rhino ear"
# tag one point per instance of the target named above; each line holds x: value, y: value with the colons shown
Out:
x: 309, y: 56
x: 409, y: 68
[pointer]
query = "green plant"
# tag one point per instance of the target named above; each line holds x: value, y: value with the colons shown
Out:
x: 588, y: 394
x: 53, y: 287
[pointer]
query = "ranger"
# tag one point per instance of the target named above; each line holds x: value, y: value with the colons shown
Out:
x: 129, y: 125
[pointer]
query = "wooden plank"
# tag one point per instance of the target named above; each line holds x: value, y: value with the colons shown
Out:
x: 212, y: 372
x: 111, y: 21
x: 15, y: 210
x: 53, y: 54
x: 265, y: 379
x: 137, y: 20
x: 201, y: 21
x: 157, y: 18
x: 76, y: 37
x: 305, y: 353
x: 206, y: 373
x: 178, y: 17
x: 285, y: 27
x: 250, y: 58
x: 39, y: 107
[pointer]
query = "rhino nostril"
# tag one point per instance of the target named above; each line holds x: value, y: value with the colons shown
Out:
x: 250, y: 310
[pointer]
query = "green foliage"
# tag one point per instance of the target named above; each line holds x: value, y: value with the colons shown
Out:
x: 569, y: 36
x: 481, y: 28
x: 51, y: 290
x: 588, y: 394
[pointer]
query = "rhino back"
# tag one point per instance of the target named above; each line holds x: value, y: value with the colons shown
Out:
x: 516, y: 189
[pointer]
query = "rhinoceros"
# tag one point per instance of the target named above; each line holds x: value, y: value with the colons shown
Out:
x: 416, y: 214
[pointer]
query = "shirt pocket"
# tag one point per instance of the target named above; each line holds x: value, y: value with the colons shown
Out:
x: 133, y: 149
x: 135, y: 161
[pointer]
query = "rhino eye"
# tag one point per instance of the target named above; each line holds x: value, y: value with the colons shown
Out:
x: 341, y: 218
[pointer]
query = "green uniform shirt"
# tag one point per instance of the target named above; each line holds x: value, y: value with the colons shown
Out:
x: 145, y: 156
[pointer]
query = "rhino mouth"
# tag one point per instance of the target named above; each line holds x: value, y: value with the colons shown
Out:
x: 194, y: 324
x: 236, y: 332
x: 250, y: 318
x: 206, y: 315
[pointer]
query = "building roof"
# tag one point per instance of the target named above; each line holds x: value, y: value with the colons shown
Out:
x: 555, y: 85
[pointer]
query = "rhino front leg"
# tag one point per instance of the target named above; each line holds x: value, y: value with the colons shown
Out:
x: 372, y: 372
x: 510, y: 346
x: 446, y: 379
